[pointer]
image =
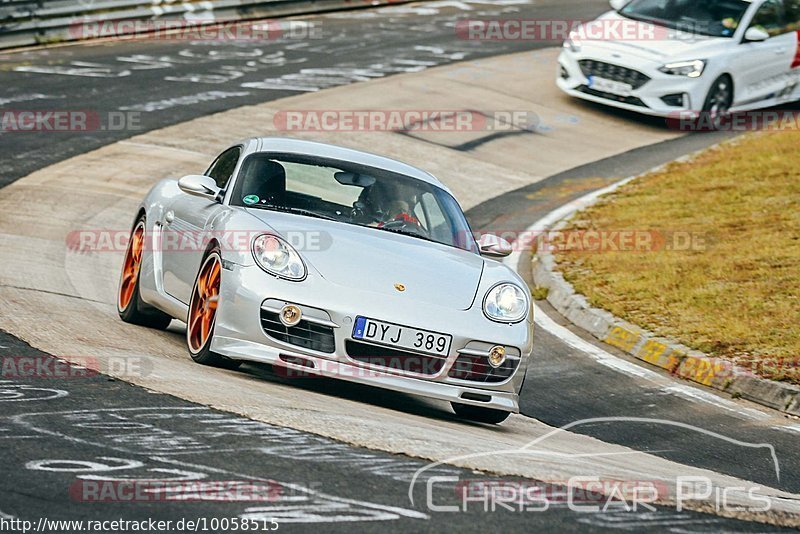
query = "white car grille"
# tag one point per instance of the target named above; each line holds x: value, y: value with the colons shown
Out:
x: 634, y: 78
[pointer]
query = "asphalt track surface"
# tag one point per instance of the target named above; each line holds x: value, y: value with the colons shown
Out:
x: 172, y: 82
x: 167, y: 82
x: 91, y: 457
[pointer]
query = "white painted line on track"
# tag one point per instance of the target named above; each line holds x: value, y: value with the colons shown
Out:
x: 593, y: 351
x: 795, y: 428
x: 163, y: 147
x: 693, y: 393
x: 601, y: 356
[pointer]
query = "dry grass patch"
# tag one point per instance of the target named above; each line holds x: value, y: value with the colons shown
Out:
x: 736, y: 293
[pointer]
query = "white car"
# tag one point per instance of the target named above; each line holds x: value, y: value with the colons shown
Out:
x: 700, y: 57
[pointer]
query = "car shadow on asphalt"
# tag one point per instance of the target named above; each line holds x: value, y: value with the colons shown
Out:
x: 361, y: 393
x: 364, y: 394
x: 332, y: 387
x: 661, y: 123
x: 657, y: 123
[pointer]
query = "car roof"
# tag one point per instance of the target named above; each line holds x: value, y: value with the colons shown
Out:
x: 288, y: 145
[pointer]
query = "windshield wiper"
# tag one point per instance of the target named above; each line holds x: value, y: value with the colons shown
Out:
x: 409, y: 234
x: 640, y: 18
x: 289, y: 209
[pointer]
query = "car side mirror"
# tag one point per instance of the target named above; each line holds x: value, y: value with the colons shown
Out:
x: 199, y: 186
x: 493, y: 246
x: 616, y: 5
x: 755, y: 35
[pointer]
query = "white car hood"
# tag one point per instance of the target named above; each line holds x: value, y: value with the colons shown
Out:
x: 668, y: 45
x: 367, y: 259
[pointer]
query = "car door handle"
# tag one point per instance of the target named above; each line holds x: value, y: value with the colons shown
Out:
x: 169, y: 217
x: 780, y: 51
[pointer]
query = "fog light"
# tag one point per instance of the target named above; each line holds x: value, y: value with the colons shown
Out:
x: 497, y: 356
x: 679, y: 100
x: 291, y: 315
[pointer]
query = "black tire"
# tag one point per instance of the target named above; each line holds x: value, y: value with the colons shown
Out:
x: 719, y: 100
x: 203, y: 354
x: 481, y: 415
x: 130, y: 306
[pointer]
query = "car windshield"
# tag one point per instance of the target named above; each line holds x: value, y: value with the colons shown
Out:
x: 352, y: 194
x: 717, y: 18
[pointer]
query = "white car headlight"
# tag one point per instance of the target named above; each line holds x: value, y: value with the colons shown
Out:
x: 692, y: 69
x: 278, y: 257
x: 573, y: 43
x: 506, y: 303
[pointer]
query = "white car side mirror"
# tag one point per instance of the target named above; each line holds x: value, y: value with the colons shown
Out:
x: 199, y: 186
x: 616, y: 5
x: 493, y: 246
x: 755, y: 35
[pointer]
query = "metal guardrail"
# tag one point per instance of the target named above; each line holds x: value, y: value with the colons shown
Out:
x: 30, y: 22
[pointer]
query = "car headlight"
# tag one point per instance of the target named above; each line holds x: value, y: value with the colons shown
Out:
x: 573, y: 44
x: 278, y: 257
x: 692, y: 69
x: 506, y: 303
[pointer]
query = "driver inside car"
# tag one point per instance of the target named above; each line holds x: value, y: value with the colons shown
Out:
x: 391, y: 205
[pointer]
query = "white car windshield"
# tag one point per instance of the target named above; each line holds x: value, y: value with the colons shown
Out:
x: 353, y: 194
x: 716, y: 18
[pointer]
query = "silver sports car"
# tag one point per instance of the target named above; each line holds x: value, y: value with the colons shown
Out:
x: 332, y: 262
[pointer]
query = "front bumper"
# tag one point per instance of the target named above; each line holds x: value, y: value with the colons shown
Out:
x: 239, y: 335
x: 647, y: 99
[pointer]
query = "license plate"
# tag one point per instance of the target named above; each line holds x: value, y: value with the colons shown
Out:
x: 610, y: 86
x: 403, y: 337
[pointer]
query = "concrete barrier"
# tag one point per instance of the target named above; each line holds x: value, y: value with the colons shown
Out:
x: 29, y: 23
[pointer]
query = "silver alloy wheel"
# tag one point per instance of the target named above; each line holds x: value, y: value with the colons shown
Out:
x: 719, y: 101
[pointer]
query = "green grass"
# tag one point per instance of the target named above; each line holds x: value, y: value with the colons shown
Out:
x: 736, y: 293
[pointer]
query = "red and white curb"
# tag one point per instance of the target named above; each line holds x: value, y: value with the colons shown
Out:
x: 674, y: 357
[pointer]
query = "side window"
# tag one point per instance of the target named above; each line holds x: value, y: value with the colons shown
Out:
x: 222, y: 168
x: 435, y: 219
x: 792, y: 15
x: 770, y: 17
